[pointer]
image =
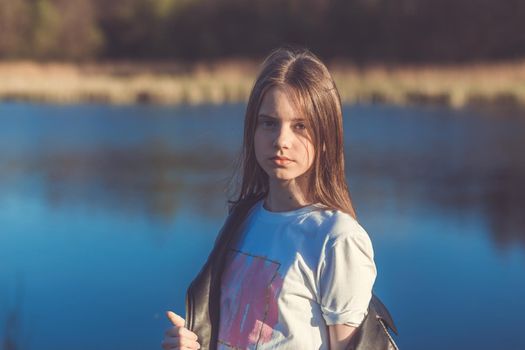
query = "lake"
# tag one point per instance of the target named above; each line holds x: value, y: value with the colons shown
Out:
x: 108, y: 212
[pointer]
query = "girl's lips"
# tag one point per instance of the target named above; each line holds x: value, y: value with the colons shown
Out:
x: 280, y: 160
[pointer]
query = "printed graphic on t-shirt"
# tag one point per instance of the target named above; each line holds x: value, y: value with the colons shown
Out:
x: 250, y: 286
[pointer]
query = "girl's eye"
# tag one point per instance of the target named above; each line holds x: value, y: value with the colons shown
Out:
x: 300, y: 126
x: 268, y: 123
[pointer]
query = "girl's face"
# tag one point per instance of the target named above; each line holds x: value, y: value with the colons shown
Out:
x: 283, y: 146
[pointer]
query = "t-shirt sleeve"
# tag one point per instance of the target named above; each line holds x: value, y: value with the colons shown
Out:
x: 346, y: 276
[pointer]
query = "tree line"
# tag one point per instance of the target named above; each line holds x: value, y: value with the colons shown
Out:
x: 360, y: 30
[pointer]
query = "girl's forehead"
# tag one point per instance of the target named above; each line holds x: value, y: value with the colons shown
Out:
x: 280, y: 103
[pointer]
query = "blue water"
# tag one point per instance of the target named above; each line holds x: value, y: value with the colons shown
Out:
x: 107, y: 213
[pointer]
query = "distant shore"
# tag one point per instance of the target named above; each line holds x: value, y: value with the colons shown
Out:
x: 501, y: 84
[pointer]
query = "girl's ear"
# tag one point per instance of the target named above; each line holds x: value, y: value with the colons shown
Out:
x: 324, y: 147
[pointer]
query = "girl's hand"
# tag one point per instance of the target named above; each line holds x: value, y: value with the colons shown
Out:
x: 179, y: 337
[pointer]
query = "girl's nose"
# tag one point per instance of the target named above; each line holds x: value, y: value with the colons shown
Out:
x: 282, y: 139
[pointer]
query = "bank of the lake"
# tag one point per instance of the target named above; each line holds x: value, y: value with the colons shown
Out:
x: 482, y: 84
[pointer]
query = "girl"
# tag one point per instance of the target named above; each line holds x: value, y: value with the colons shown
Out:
x: 291, y: 268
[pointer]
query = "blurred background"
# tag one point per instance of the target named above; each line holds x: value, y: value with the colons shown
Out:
x: 120, y: 123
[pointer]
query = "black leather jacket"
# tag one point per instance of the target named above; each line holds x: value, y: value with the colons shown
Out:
x: 203, y: 295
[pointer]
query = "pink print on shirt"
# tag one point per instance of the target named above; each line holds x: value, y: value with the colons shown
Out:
x: 249, y: 289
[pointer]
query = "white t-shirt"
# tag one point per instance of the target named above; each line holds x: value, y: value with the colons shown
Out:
x: 292, y: 274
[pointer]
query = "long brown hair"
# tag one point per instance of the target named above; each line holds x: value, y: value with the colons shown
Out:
x: 307, y: 80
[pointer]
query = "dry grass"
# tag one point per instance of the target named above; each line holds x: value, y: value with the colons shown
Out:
x: 457, y: 86
x: 170, y: 83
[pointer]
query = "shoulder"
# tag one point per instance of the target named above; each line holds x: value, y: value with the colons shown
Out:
x: 335, y: 226
x: 333, y: 222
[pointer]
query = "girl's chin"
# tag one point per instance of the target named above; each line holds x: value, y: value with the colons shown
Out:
x: 281, y: 176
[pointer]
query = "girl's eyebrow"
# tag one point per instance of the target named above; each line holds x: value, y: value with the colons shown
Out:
x: 261, y: 115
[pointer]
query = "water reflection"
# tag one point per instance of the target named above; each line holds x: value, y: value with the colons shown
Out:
x: 150, y: 179
x: 105, y: 207
x: 497, y: 194
x: 457, y: 166
x: 456, y: 163
x: 12, y: 323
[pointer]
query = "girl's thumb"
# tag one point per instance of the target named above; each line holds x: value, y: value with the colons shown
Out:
x: 175, y: 319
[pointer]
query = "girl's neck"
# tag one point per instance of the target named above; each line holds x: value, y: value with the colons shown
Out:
x: 284, y: 198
